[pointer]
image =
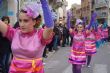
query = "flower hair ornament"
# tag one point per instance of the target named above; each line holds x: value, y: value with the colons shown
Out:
x: 31, y: 10
x: 79, y: 21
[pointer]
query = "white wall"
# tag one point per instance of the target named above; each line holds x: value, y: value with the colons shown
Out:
x: 12, y: 10
x: 59, y: 13
x: 64, y: 12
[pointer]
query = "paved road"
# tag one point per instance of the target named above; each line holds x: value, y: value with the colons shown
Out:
x: 58, y: 62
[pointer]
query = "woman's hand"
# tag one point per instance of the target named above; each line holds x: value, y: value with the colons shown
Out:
x: 70, y: 30
x: 3, y: 28
x: 48, y: 32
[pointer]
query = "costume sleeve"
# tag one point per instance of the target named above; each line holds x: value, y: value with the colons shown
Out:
x: 72, y: 33
x: 44, y: 41
x: 98, y: 35
x: 10, y: 33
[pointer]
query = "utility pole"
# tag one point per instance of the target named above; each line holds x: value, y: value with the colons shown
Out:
x: 108, y: 14
x: 18, y: 3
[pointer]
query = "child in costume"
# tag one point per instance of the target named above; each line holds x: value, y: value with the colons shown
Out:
x: 82, y: 48
x: 78, y: 56
x: 27, y: 42
x: 90, y: 39
x: 90, y: 45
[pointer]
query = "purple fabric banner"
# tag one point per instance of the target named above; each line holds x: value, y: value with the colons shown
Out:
x: 93, y: 19
x: 68, y: 20
x: 47, y: 14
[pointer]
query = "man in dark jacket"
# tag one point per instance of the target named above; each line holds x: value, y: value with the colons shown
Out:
x: 56, y: 37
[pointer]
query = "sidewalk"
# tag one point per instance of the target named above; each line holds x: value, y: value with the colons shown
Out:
x: 50, y: 54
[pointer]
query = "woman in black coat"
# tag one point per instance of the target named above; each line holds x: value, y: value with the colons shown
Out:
x: 5, y: 49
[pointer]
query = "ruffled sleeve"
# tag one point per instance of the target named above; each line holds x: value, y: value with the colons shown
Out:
x: 10, y: 33
x: 44, y: 41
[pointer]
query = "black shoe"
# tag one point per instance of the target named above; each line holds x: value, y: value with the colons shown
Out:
x: 56, y: 49
x: 45, y: 56
x: 50, y: 50
x: 63, y: 45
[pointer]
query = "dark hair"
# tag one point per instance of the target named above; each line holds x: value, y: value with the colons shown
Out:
x: 43, y: 25
x: 23, y: 11
x: 5, y: 18
x: 39, y: 17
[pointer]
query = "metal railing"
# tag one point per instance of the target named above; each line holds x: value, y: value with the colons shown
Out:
x: 101, y: 4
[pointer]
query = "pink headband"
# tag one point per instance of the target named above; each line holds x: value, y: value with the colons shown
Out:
x: 31, y: 9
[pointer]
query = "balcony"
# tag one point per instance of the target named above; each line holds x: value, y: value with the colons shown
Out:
x: 65, y: 3
x: 101, y: 4
x: 102, y: 14
x: 56, y: 3
x: 59, y: 3
x: 51, y: 1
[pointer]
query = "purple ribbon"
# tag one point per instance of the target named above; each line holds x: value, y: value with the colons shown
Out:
x: 84, y: 20
x: 94, y: 15
x: 68, y: 20
x: 47, y: 14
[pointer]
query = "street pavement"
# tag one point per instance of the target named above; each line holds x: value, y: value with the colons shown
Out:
x: 57, y: 62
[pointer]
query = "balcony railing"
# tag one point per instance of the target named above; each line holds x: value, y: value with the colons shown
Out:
x: 101, y: 4
x: 102, y: 14
x: 59, y: 1
x: 65, y: 3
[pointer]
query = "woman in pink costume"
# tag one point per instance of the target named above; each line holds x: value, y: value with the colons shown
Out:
x: 90, y: 45
x: 27, y: 42
x: 78, y: 56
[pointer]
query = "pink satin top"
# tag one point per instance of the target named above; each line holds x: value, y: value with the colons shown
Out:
x: 27, y: 46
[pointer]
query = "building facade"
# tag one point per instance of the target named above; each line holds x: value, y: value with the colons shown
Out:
x: 59, y: 6
x: 11, y: 8
x: 102, y: 10
x: 86, y: 9
x: 76, y: 11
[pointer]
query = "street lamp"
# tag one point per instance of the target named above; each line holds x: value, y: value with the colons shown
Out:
x: 107, y: 3
x: 17, y: 9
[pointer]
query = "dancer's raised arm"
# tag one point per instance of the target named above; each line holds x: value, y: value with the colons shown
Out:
x: 48, y: 19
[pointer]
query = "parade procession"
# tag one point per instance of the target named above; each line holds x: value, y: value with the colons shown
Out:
x: 54, y: 36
